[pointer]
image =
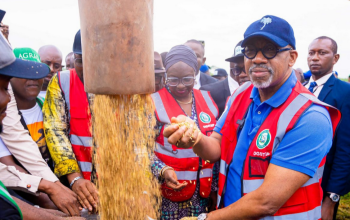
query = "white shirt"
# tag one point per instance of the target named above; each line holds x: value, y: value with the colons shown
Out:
x: 3, y: 149
x: 42, y: 94
x: 232, y: 84
x: 32, y: 115
x: 197, y: 84
x: 320, y: 82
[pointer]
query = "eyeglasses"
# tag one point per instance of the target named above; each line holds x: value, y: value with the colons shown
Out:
x: 186, y: 81
x: 79, y: 60
x: 237, y: 71
x: 269, y: 51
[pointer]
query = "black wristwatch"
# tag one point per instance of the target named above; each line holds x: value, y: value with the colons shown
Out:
x: 334, y: 197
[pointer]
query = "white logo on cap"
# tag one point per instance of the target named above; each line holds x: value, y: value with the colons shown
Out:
x: 265, y: 21
x: 216, y: 73
x: 238, y: 50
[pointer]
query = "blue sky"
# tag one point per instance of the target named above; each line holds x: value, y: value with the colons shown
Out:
x: 221, y: 23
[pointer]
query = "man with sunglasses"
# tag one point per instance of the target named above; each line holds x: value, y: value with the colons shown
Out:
x: 221, y: 90
x: 67, y: 122
x: 273, y: 137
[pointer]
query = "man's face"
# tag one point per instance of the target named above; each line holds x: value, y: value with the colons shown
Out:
x: 321, y: 57
x: 199, y: 51
x: 5, y: 30
x: 4, y: 97
x: 265, y: 72
x: 78, y: 63
x: 26, y: 89
x: 242, y: 77
x: 68, y: 63
x: 53, y: 58
x: 159, y: 81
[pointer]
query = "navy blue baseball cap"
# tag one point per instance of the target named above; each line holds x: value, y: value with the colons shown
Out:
x: 15, y: 67
x: 272, y: 28
x: 219, y: 72
x: 77, y: 44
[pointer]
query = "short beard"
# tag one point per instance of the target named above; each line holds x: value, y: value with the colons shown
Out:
x: 316, y: 73
x: 265, y: 84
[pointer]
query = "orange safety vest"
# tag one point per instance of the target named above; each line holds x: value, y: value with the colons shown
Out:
x: 305, y: 203
x: 79, y: 119
x: 184, y: 161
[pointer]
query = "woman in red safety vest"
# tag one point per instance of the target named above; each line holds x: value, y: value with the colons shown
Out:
x: 186, y: 179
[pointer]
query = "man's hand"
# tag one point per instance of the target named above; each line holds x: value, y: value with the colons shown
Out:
x: 182, y: 137
x: 327, y: 209
x: 87, y: 193
x: 64, y: 198
x: 171, y: 180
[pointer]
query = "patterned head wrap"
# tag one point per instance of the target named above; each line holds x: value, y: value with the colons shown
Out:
x: 181, y: 53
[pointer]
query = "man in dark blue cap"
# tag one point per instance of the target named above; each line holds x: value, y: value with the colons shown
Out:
x: 273, y: 137
x: 67, y: 122
x: 221, y: 90
x: 219, y: 74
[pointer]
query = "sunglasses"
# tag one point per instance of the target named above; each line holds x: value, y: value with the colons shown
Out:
x: 237, y: 71
x: 79, y: 60
x: 269, y: 51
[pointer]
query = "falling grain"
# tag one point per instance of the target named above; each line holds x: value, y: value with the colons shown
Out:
x: 123, y: 133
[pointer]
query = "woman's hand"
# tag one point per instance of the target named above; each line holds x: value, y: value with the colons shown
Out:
x: 171, y: 180
x: 184, y: 136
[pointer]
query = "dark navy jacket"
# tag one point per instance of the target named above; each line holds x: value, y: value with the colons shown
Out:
x: 219, y: 91
x: 336, y: 176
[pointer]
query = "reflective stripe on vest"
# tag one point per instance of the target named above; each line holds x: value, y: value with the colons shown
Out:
x: 251, y: 185
x: 286, y: 117
x: 210, y: 103
x: 313, y: 214
x: 161, y: 112
x: 64, y: 83
x: 168, y: 151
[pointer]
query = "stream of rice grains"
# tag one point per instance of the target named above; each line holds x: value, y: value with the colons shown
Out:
x: 123, y: 130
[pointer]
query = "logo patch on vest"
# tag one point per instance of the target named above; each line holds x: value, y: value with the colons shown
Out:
x: 263, y: 139
x: 204, y: 117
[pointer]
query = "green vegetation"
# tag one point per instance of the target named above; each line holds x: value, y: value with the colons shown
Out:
x: 344, y: 208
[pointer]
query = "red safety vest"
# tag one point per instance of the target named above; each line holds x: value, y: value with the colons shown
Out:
x: 184, y: 161
x: 79, y: 119
x: 305, y: 203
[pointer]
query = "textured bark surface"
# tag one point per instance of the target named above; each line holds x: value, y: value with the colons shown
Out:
x: 117, y: 42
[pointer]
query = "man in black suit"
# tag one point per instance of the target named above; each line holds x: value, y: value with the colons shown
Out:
x: 221, y: 90
x: 336, y: 177
x: 201, y: 78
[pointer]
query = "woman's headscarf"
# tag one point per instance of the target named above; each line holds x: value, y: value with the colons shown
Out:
x: 181, y: 53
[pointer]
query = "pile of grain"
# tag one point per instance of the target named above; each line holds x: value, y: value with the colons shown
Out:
x: 123, y: 131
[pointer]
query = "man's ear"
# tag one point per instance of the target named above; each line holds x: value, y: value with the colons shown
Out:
x: 204, y: 59
x: 336, y: 58
x: 293, y: 57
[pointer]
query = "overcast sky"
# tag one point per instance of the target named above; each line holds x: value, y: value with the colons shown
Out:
x: 221, y: 23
